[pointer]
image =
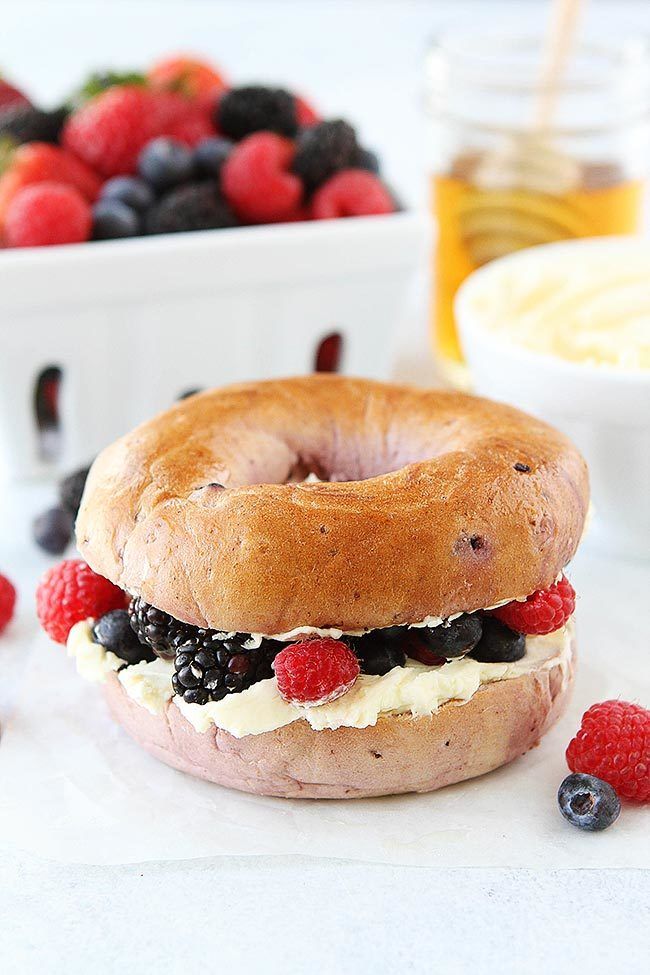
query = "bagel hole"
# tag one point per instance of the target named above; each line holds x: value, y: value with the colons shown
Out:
x: 477, y: 542
x: 329, y: 352
x: 523, y: 468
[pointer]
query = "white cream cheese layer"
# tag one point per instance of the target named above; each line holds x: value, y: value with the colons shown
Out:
x: 149, y: 684
x: 415, y: 688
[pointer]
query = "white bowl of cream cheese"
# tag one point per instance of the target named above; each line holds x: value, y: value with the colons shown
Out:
x: 563, y: 331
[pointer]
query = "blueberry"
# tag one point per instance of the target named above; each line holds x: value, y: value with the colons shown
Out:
x: 210, y: 155
x: 588, y: 802
x: 380, y: 650
x: 113, y: 219
x: 454, y: 638
x: 366, y: 159
x: 165, y: 163
x: 114, y: 633
x: 130, y: 190
x: 499, y: 644
x: 53, y: 530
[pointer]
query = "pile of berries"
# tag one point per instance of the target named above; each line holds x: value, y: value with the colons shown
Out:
x: 175, y: 149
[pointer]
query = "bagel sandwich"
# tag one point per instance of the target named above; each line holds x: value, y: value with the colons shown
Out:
x: 336, y: 587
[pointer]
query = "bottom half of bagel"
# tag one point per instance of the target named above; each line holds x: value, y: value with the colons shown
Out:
x: 396, y: 751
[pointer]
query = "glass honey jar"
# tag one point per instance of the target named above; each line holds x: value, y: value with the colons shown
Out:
x: 518, y: 161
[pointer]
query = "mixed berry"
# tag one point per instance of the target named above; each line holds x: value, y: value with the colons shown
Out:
x: 171, y: 150
x: 210, y: 664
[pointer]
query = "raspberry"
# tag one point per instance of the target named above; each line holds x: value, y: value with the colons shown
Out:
x: 7, y: 602
x: 70, y: 592
x: 256, y: 181
x: 351, y: 193
x: 613, y: 743
x: 187, y: 75
x: 40, y: 162
x: 315, y: 672
x: 47, y: 213
x: 543, y: 612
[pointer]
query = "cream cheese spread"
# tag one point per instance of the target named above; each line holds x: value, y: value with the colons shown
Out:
x: 586, y: 304
x: 415, y: 688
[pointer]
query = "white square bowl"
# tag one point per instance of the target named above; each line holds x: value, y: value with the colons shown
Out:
x: 134, y: 323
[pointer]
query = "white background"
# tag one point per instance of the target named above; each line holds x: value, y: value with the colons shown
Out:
x: 363, y: 60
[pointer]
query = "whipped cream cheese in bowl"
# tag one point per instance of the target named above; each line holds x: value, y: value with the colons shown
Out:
x: 563, y: 332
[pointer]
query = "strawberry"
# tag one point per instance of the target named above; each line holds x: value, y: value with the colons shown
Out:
x: 189, y: 76
x: 40, y: 162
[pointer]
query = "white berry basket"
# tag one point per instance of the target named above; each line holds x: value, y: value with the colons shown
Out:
x: 132, y: 324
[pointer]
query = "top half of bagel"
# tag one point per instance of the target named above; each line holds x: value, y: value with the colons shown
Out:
x: 429, y: 503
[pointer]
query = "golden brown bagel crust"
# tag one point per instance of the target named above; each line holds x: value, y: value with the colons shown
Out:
x: 398, y: 754
x: 192, y: 510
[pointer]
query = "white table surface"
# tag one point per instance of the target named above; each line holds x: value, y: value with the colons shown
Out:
x: 266, y: 914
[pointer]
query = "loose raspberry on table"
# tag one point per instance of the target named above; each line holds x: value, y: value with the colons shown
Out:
x: 315, y: 672
x: 613, y: 743
x: 256, y: 181
x: 351, y: 193
x: 47, y: 213
x: 7, y: 602
x: 544, y: 612
x: 70, y: 592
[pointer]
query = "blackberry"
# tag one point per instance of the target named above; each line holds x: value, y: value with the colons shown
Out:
x: 380, y: 650
x: 499, y: 644
x: 24, y: 123
x: 71, y: 490
x: 323, y: 150
x: 254, y: 108
x: 113, y: 631
x: 158, y: 630
x: 211, y: 665
x: 195, y: 206
x: 588, y: 802
x: 367, y: 159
